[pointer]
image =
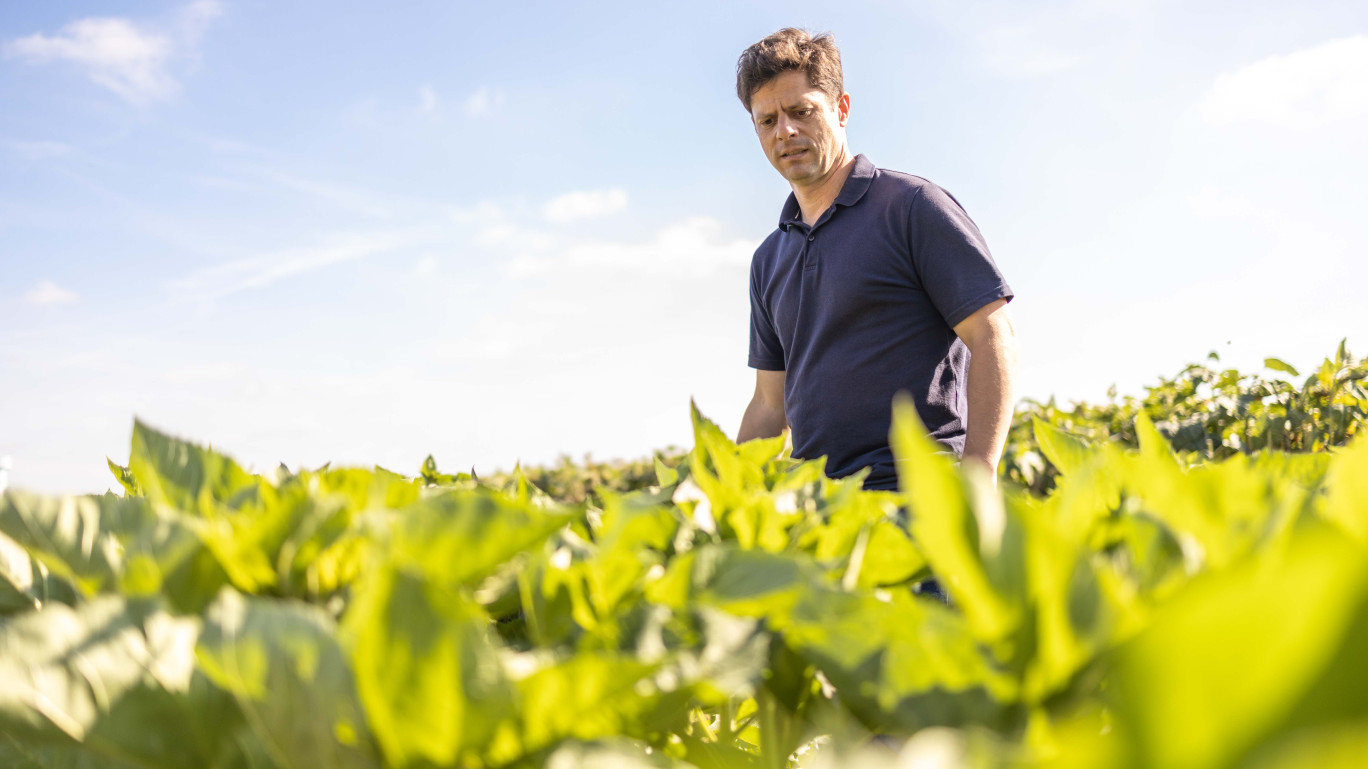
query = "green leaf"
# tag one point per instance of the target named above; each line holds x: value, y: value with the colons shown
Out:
x: 665, y: 475
x: 125, y: 478
x: 890, y: 558
x: 1269, y: 642
x: 1346, y: 501
x: 282, y: 662
x: 186, y: 477
x: 426, y: 669
x: 1278, y: 365
x: 1153, y: 445
x: 461, y: 537
x: 902, y: 665
x: 960, y: 535
x: 588, y: 696
x: 103, y: 543
x: 1066, y: 452
x: 96, y: 678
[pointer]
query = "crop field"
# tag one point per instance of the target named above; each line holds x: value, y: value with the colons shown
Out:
x: 1178, y: 580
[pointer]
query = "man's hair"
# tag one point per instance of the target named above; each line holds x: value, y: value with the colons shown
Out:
x: 788, y: 50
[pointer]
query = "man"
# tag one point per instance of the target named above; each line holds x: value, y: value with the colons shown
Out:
x: 874, y: 282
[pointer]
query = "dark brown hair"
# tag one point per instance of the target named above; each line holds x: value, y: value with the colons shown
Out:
x: 787, y: 50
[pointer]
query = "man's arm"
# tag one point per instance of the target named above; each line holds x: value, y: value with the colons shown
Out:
x: 764, y: 417
x: 991, y: 340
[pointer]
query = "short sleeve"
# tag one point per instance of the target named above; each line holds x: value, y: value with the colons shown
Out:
x: 951, y: 258
x: 766, y: 353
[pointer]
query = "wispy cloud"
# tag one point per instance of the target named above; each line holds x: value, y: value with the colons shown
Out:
x: 427, y: 99
x: 584, y: 204
x: 128, y: 58
x: 47, y: 292
x: 489, y: 224
x: 339, y: 195
x: 695, y: 247
x: 483, y: 102
x: 263, y: 270
x: 1302, y: 90
x: 193, y: 20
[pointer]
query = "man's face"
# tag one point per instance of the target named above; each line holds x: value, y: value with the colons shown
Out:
x: 800, y: 129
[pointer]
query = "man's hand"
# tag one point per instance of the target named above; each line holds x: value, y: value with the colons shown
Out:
x: 764, y: 417
x: 991, y: 340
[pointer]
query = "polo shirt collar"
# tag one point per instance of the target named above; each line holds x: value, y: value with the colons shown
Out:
x: 855, y: 187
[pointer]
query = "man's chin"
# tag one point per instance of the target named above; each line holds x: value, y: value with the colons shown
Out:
x: 800, y: 175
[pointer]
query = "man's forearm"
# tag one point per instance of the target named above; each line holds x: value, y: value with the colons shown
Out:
x: 761, y: 421
x: 991, y: 391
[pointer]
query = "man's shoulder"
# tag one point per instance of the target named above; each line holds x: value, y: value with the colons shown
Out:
x: 915, y: 192
x: 891, y: 182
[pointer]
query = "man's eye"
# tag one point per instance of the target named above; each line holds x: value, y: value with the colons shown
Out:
x: 803, y: 112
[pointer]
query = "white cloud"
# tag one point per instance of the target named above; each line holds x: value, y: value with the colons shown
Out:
x: 482, y: 102
x: 585, y: 204
x: 488, y: 224
x: 339, y: 195
x: 262, y: 270
x: 127, y: 58
x: 1211, y: 202
x: 694, y: 247
x: 426, y: 266
x: 624, y: 328
x: 427, y: 99
x: 1302, y: 90
x: 47, y: 292
x: 193, y: 20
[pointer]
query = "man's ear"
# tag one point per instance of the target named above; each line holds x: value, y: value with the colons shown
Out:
x: 843, y: 108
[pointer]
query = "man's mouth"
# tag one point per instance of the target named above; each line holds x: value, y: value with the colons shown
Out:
x: 793, y: 153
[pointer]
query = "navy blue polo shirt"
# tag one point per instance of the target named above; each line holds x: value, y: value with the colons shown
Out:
x: 863, y: 304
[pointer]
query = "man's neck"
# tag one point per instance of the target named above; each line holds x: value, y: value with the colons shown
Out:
x: 815, y: 199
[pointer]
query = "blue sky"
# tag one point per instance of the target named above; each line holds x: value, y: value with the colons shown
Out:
x: 311, y: 232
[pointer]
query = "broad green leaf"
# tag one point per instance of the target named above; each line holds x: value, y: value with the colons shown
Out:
x: 103, y: 543
x: 460, y: 537
x: 282, y: 662
x: 1230, y: 659
x: 629, y: 523
x: 588, y: 696
x: 18, y: 754
x: 665, y: 475
x: 21, y: 579
x: 1066, y: 452
x: 749, y: 583
x: 1154, y: 446
x: 889, y: 557
x: 1337, y: 746
x: 426, y: 669
x: 1346, y: 500
x: 112, y: 679
x: 187, y: 477
x: 901, y: 665
x: 963, y: 537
